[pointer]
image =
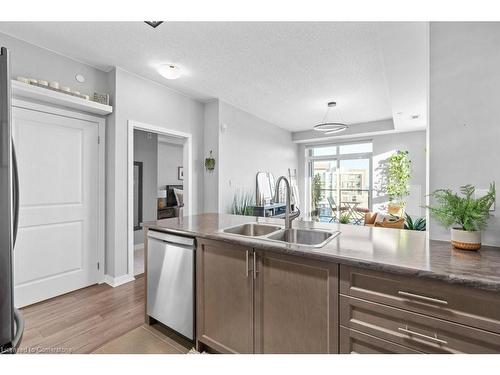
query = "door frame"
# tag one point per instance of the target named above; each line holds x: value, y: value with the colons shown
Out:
x: 100, y: 122
x: 187, y: 149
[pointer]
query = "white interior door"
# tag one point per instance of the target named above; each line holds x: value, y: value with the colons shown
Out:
x: 57, y: 244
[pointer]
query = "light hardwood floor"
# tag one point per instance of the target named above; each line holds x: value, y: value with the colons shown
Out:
x: 83, y: 320
x: 146, y: 340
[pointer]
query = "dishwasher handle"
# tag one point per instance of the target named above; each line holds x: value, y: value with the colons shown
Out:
x: 171, y: 238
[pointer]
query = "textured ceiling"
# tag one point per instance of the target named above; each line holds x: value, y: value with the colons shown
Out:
x: 281, y: 72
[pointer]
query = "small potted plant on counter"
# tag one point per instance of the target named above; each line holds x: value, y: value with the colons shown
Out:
x: 465, y: 215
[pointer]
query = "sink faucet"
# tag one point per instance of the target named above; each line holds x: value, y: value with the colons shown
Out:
x: 289, y: 216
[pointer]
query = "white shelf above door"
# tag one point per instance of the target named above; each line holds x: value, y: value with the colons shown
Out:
x: 23, y: 90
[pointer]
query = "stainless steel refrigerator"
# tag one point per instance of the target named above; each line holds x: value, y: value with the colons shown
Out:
x: 11, y: 321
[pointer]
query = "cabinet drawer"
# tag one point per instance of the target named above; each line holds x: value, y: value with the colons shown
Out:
x: 464, y: 305
x: 355, y: 342
x: 415, y: 331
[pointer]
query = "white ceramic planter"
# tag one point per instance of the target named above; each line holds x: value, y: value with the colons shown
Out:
x: 464, y: 240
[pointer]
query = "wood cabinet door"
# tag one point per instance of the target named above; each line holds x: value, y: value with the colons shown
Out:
x: 296, y: 305
x: 224, y: 294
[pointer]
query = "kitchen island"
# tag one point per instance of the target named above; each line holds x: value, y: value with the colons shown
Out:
x: 368, y: 290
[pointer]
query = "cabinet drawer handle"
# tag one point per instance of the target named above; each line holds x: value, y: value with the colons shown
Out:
x: 246, y: 262
x: 412, y: 333
x: 254, y: 265
x: 423, y: 298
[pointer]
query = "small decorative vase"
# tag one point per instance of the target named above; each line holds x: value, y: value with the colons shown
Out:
x: 465, y: 240
x: 210, y: 162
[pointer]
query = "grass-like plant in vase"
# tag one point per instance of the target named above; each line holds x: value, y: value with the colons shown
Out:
x: 242, y: 204
x: 464, y: 214
x: 398, y: 177
x: 344, y: 219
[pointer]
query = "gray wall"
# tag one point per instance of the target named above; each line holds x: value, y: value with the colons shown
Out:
x: 146, y: 151
x: 30, y: 61
x: 211, y: 143
x: 170, y: 157
x: 249, y: 145
x: 465, y: 111
x: 144, y: 101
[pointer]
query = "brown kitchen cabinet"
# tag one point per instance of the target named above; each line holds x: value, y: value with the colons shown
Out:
x: 416, y: 314
x: 296, y: 305
x: 224, y: 297
x: 257, y: 302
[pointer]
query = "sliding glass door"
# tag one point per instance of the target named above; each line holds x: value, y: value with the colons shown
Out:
x: 340, y: 181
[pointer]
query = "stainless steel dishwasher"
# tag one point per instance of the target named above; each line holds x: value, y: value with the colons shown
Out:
x: 170, y: 278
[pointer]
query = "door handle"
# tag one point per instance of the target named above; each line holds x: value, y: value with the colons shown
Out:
x: 421, y: 335
x: 15, y: 193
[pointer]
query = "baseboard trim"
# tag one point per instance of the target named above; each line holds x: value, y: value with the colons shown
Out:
x: 139, y: 246
x: 117, y: 281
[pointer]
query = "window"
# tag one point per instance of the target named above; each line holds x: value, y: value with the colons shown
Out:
x: 340, y: 181
x: 322, y: 151
x: 356, y: 148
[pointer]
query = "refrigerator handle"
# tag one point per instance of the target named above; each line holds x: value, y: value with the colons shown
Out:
x: 16, y: 192
x: 19, y: 329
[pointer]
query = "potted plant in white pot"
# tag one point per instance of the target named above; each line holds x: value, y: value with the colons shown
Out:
x: 465, y: 215
x: 398, y: 177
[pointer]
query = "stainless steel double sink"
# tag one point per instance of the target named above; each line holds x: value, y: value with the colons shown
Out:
x: 304, y: 237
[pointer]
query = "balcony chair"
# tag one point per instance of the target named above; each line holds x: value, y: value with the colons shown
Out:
x: 335, y: 208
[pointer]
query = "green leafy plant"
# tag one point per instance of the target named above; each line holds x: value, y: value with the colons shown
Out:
x: 417, y: 224
x: 242, y: 204
x: 210, y: 162
x: 398, y: 176
x: 462, y: 212
x: 316, y: 193
x: 344, y: 219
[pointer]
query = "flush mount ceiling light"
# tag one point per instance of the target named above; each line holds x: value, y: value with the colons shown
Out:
x: 154, y: 24
x: 170, y: 71
x: 330, y: 127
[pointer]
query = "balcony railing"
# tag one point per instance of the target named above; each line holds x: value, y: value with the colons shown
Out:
x: 324, y: 209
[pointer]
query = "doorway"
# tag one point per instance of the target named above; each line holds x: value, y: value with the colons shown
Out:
x: 159, y: 182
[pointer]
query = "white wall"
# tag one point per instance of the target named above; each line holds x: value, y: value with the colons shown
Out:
x: 465, y: 111
x: 211, y: 143
x: 170, y: 157
x: 146, y: 151
x: 249, y: 145
x: 142, y: 100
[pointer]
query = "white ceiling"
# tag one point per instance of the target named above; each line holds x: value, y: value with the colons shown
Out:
x: 281, y: 72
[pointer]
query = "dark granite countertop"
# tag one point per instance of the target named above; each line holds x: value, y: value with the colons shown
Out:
x: 393, y: 250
